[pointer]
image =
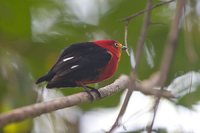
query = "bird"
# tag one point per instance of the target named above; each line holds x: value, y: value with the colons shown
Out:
x: 84, y: 63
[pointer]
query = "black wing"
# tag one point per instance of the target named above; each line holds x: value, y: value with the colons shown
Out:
x: 78, y: 62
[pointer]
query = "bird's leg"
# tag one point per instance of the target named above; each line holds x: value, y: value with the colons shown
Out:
x: 95, y: 90
x: 91, y: 89
x: 88, y: 92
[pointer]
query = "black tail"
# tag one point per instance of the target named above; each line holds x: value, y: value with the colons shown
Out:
x: 59, y: 84
x: 41, y: 79
x: 47, y: 77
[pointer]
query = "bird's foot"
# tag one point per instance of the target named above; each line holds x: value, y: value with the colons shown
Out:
x: 90, y: 95
x: 95, y: 90
x: 86, y: 88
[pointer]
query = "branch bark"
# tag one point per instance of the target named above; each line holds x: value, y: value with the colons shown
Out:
x: 62, y: 102
x: 38, y: 109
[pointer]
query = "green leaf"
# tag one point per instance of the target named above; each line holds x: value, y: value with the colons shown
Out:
x: 190, y: 99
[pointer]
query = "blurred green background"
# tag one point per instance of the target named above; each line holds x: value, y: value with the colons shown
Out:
x: 33, y: 33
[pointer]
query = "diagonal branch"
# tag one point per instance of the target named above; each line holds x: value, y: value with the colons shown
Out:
x: 171, y: 44
x: 168, y: 55
x: 140, y: 46
x: 145, y: 10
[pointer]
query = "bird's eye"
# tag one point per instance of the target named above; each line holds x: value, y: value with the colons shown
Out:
x: 116, y: 45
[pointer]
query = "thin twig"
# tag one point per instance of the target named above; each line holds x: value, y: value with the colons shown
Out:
x: 123, y: 108
x: 142, y: 38
x: 155, y: 109
x: 168, y: 55
x: 143, y: 11
x: 126, y: 38
x: 122, y: 111
x: 189, y: 44
x: 133, y: 76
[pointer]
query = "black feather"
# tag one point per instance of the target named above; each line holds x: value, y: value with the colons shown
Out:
x: 90, y: 59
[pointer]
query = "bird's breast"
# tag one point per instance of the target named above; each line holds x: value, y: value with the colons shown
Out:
x: 106, y: 72
x: 110, y: 69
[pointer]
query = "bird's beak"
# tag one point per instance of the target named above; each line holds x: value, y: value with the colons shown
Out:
x: 124, y: 47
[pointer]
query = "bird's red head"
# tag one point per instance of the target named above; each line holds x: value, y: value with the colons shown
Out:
x: 113, y: 46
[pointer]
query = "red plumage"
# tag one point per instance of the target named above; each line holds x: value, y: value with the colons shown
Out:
x: 111, y: 67
x: 84, y: 63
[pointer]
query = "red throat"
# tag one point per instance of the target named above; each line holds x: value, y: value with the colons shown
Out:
x: 109, y: 45
x: 112, y: 66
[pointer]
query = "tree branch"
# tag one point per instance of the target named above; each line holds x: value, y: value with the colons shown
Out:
x: 126, y: 38
x: 146, y: 86
x: 133, y: 76
x: 62, y: 102
x: 143, y: 11
x: 143, y: 34
x: 171, y: 43
x: 168, y: 55
x: 38, y: 109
